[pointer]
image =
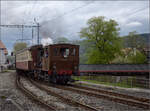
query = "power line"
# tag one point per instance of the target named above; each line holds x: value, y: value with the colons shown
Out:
x: 136, y: 11
x: 19, y: 26
x: 22, y: 27
x: 32, y: 8
x: 66, y: 13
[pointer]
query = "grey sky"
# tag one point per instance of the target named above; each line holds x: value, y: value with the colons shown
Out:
x: 66, y: 18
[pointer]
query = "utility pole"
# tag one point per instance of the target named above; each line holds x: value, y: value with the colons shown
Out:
x: 0, y: 20
x: 38, y: 29
x: 38, y: 36
x: 22, y: 27
x: 22, y: 33
x: 32, y: 36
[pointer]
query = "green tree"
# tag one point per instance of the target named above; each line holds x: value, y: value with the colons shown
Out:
x: 135, y: 41
x: 11, y: 59
x: 139, y: 58
x: 136, y: 44
x: 19, y: 46
x: 104, y: 37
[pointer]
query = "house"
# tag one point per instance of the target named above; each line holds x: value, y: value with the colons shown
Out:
x: 147, y: 53
x: 3, y: 54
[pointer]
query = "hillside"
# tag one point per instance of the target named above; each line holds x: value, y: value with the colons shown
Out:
x: 145, y: 36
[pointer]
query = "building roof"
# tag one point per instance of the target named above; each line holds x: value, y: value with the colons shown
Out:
x: 2, y: 47
x: 147, y: 49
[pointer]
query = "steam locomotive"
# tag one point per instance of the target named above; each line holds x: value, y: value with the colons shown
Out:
x: 53, y: 63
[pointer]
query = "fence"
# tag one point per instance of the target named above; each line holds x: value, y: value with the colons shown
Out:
x: 121, y: 81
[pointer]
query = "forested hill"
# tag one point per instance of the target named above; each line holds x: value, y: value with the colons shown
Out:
x: 145, y: 36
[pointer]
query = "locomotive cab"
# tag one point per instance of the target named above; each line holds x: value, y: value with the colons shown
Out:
x: 61, y: 61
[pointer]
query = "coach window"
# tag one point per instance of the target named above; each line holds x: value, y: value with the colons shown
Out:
x: 46, y: 52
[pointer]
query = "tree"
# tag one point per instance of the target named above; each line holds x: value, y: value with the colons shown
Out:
x: 11, y: 59
x: 104, y: 37
x: 19, y: 46
x: 139, y: 58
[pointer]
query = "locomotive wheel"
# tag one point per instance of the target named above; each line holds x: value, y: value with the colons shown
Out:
x: 54, y: 80
x: 65, y: 82
x: 46, y: 77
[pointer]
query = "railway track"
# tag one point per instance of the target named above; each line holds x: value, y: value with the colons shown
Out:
x: 65, y: 99
x: 31, y: 95
x: 144, y: 100
x: 111, y: 96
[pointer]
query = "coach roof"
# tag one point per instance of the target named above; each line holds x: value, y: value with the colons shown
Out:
x: 29, y: 48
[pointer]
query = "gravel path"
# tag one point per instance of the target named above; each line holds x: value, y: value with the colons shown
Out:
x: 9, y: 92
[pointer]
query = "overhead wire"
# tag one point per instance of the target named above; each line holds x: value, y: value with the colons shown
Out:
x: 32, y: 8
x: 129, y: 15
x: 28, y: 14
x: 137, y: 11
x: 66, y: 13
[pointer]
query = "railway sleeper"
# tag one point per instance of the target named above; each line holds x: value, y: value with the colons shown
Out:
x: 114, y: 94
x: 67, y: 100
x: 108, y: 97
x: 31, y: 95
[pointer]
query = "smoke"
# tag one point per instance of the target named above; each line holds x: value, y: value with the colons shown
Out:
x: 52, y: 25
x: 52, y: 28
x: 46, y: 41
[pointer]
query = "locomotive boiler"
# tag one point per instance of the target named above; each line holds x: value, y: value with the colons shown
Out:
x: 53, y: 63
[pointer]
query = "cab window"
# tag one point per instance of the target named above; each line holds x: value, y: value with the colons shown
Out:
x: 73, y: 51
x: 56, y: 51
x: 64, y: 52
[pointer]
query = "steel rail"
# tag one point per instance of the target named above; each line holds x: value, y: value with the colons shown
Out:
x: 98, y: 71
x: 31, y: 95
x: 65, y: 99
x: 108, y: 97
x: 146, y: 100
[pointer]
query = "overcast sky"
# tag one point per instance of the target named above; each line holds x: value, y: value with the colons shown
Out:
x: 66, y: 18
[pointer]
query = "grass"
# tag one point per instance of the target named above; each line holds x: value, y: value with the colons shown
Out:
x: 123, y: 84
x: 4, y: 71
x: 3, y: 97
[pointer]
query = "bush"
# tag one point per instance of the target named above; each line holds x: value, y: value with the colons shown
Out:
x: 139, y: 58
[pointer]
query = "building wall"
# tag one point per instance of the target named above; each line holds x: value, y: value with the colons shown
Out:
x: 2, y: 57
